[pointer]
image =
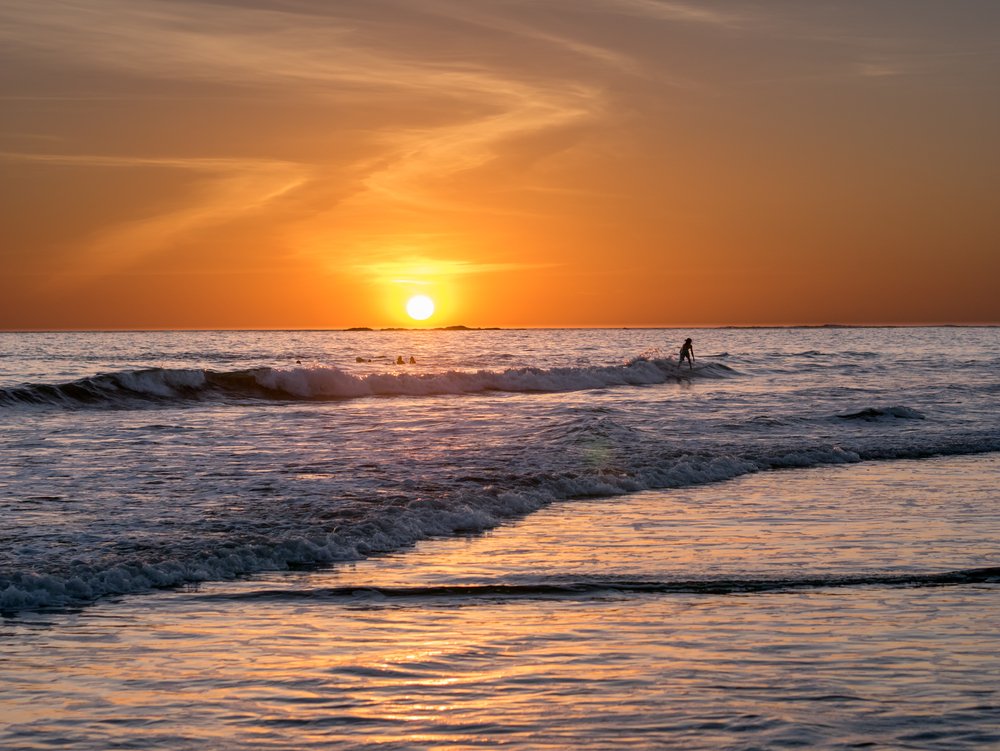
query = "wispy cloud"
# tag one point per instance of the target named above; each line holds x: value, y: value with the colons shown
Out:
x: 209, y: 164
x: 878, y: 69
x: 229, y: 189
x: 421, y: 269
x: 665, y: 10
x: 327, y: 55
x: 510, y: 24
x: 46, y: 137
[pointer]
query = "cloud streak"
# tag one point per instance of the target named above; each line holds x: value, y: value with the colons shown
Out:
x: 664, y: 10
x: 229, y: 189
x: 417, y: 269
x: 328, y: 55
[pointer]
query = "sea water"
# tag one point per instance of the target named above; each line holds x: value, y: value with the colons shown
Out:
x: 536, y: 539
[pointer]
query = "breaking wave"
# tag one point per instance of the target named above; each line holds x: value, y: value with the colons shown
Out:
x: 299, y: 541
x: 130, y: 388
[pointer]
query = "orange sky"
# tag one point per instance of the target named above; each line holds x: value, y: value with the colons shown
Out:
x: 279, y: 164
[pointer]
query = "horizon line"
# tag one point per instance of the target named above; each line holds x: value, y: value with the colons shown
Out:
x: 370, y: 330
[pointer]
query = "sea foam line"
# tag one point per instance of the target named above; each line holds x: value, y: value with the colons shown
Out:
x: 416, y: 520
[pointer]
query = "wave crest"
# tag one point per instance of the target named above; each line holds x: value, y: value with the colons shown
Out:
x: 872, y: 414
x: 354, y: 533
x: 158, y: 385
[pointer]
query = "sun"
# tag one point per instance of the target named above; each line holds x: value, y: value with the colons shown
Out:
x: 420, y: 307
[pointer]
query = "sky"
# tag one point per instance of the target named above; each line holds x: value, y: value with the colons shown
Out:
x: 314, y: 164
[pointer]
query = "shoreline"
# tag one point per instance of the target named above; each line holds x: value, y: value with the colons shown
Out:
x: 334, y: 659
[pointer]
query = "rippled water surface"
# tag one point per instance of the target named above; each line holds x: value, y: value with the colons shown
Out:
x: 254, y: 539
x: 531, y: 637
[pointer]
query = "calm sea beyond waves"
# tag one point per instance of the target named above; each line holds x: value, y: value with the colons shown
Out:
x: 529, y: 539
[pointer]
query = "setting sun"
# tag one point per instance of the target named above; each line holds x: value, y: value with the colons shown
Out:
x: 420, y: 307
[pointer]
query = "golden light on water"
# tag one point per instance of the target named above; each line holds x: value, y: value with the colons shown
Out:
x: 420, y: 307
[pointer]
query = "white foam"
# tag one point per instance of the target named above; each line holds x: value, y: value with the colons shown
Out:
x: 378, y: 533
x: 331, y: 382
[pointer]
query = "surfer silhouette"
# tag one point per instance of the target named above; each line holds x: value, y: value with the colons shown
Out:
x: 687, y: 351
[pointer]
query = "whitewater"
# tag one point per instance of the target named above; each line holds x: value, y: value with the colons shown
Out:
x: 133, y: 461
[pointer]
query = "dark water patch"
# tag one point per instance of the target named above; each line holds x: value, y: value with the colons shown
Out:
x: 609, y: 587
x: 873, y: 414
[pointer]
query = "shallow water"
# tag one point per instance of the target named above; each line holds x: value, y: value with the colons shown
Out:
x: 530, y: 637
x: 529, y: 538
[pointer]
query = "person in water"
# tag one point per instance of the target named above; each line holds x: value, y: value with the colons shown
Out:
x: 687, y: 350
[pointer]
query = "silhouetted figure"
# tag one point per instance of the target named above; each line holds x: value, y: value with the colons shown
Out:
x: 687, y: 351
x: 399, y: 360
x: 412, y: 360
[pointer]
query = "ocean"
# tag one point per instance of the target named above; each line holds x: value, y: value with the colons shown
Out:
x: 524, y: 538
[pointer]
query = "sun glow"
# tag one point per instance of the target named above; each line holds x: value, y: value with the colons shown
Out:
x: 420, y: 307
